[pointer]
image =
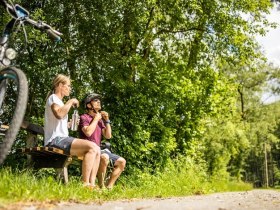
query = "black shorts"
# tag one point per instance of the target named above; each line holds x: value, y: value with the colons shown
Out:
x: 63, y: 143
x: 111, y: 155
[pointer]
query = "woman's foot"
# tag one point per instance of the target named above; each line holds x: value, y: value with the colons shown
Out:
x: 109, y: 187
x: 90, y: 186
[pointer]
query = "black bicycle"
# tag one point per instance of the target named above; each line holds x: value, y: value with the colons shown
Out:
x: 13, y: 82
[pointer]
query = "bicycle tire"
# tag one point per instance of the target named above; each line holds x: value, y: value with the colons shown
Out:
x: 15, y: 77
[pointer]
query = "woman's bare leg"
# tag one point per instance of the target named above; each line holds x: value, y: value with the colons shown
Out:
x: 95, y: 167
x: 87, y: 150
x: 118, y: 169
x: 104, y: 161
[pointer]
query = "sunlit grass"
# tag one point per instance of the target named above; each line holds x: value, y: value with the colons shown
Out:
x: 25, y: 186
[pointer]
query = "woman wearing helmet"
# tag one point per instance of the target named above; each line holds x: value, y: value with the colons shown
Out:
x: 93, y: 125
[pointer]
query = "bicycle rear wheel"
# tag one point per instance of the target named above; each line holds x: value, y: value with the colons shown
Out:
x: 13, y: 101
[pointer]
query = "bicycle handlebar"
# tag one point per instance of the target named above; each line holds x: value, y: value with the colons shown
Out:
x: 18, y: 12
x: 53, y: 34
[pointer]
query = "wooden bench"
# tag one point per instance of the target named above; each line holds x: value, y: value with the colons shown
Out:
x: 44, y: 157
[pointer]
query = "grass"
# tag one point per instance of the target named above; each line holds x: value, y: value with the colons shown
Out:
x: 25, y: 186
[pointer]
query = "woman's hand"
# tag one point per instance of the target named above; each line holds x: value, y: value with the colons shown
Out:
x: 75, y: 102
x: 105, y: 115
x: 69, y: 123
x: 97, y: 116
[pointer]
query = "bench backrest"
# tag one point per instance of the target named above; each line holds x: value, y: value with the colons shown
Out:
x: 32, y: 128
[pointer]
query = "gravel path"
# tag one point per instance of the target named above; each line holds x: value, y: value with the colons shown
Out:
x: 253, y: 200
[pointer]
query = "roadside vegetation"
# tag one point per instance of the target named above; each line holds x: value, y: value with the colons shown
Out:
x: 26, y: 186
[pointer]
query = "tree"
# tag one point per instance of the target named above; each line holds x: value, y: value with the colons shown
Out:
x: 157, y: 63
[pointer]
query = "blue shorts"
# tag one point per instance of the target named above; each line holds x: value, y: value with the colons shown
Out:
x: 63, y: 143
x: 111, y: 155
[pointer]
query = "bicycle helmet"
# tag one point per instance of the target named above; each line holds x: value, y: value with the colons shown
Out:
x: 89, y: 97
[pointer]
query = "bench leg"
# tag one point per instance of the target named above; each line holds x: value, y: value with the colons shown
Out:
x: 62, y: 173
x: 31, y: 141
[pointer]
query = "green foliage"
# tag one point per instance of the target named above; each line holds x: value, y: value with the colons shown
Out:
x: 226, y: 146
x: 170, y: 73
x: 264, y: 138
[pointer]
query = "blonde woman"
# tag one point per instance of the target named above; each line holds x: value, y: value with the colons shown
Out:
x: 56, y: 130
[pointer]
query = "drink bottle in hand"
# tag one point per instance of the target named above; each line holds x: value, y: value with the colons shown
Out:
x: 75, y: 120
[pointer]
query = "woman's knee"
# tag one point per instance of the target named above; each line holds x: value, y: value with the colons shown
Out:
x: 121, y: 162
x: 104, y: 159
x: 93, y: 148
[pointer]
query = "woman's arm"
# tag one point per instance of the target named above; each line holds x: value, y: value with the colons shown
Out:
x: 61, y: 111
x: 88, y: 130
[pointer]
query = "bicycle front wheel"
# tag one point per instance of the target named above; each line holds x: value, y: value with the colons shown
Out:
x: 13, y: 101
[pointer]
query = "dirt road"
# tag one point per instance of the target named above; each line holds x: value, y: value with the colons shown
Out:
x: 249, y: 200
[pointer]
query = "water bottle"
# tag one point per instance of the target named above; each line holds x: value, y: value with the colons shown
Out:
x: 75, y: 120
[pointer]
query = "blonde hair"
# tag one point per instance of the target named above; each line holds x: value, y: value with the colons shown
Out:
x: 60, y: 78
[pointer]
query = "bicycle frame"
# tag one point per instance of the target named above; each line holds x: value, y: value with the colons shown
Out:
x: 13, y: 79
x: 19, y: 14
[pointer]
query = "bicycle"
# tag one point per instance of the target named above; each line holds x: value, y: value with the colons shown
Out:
x: 13, y: 82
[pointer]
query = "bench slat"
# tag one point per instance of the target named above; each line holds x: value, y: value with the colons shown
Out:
x: 53, y: 149
x: 42, y: 150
